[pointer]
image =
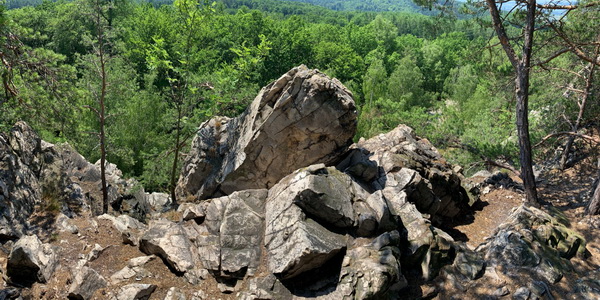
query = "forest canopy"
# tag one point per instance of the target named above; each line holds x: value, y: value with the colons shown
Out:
x: 170, y: 67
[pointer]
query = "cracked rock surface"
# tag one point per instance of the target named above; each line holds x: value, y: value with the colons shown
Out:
x: 302, y: 118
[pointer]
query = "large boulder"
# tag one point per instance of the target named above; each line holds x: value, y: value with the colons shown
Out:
x: 302, y: 118
x: 535, y: 243
x: 19, y: 184
x: 430, y: 182
x: 529, y: 256
x: 372, y: 270
x: 31, y: 261
x: 230, y: 236
x: 86, y: 281
x: 325, y: 194
x: 170, y: 242
x: 295, y: 241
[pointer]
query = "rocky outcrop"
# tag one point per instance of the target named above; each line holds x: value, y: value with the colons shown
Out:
x: 280, y: 208
x: 170, y: 242
x: 302, y: 118
x: 34, y: 172
x: 371, y: 271
x: 407, y: 162
x: 86, y: 281
x: 229, y: 237
x: 20, y: 190
x: 387, y: 191
x: 535, y: 242
x: 30, y: 261
x: 525, y: 257
x: 295, y: 242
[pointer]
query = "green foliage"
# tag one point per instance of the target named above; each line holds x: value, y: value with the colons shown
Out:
x: 174, y: 66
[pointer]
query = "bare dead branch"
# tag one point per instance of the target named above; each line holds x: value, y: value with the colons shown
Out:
x: 568, y: 133
x: 566, y: 7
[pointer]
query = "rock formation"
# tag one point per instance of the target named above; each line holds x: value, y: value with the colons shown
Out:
x: 30, y: 261
x: 279, y: 205
x: 302, y: 118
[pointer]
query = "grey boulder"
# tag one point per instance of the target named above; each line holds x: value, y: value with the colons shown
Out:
x: 170, y: 242
x: 300, y: 119
x: 85, y: 283
x: 372, y: 270
x: 31, y: 261
x: 136, y: 291
x: 295, y: 243
x: 230, y: 235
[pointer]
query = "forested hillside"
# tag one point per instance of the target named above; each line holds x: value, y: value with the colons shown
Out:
x: 162, y: 70
x: 355, y: 5
x: 366, y: 5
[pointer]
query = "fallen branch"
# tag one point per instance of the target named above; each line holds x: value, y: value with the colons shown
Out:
x: 486, y: 160
x: 569, y: 133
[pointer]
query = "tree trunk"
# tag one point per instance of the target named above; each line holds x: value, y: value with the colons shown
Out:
x: 521, y: 63
x: 103, y: 142
x: 593, y: 207
x: 176, y: 158
x: 522, y: 91
x: 102, y: 115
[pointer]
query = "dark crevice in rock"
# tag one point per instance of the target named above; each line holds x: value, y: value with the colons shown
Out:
x: 317, y: 282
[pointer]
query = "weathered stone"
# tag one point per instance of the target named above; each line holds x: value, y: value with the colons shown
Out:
x: 31, y: 261
x: 199, y: 295
x: 139, y: 261
x: 95, y: 252
x: 503, y: 291
x: 533, y: 244
x: 241, y: 233
x: 26, y: 144
x: 129, y: 227
x: 63, y: 223
x: 469, y: 264
x: 20, y: 189
x: 134, y: 268
x: 370, y: 271
x: 302, y: 118
x: 437, y: 189
x: 85, y: 283
x: 230, y: 237
x: 521, y: 293
x: 136, y: 291
x: 10, y: 293
x: 428, y: 246
x: 366, y: 218
x: 268, y: 287
x: 295, y: 243
x: 170, y: 242
x: 358, y: 165
x: 175, y: 294
x: 158, y: 201
x: 122, y: 274
x: 323, y: 193
x: 191, y: 211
